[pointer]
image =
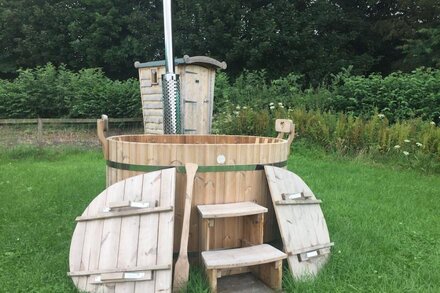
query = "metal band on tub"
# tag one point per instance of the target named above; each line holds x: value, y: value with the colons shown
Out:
x: 201, y: 169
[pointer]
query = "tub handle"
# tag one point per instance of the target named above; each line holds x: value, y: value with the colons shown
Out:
x: 102, y: 127
x: 283, y: 126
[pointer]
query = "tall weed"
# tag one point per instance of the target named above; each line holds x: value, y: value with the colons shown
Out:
x: 412, y: 143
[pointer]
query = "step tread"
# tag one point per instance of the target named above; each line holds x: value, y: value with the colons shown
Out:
x: 226, y: 210
x: 241, y: 257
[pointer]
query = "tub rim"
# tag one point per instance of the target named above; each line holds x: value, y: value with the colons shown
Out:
x: 276, y: 140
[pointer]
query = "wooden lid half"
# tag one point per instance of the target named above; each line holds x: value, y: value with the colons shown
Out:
x: 123, y: 241
x: 301, y: 221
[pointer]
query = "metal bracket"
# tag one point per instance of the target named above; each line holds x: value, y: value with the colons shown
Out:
x: 296, y: 195
x: 126, y: 204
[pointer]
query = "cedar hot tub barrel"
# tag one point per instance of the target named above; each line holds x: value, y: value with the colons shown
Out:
x: 230, y: 170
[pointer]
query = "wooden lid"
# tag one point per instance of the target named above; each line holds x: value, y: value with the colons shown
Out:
x: 123, y: 241
x: 301, y: 221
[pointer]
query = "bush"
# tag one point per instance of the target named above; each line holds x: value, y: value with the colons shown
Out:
x: 52, y: 92
x: 399, y: 96
x: 414, y: 143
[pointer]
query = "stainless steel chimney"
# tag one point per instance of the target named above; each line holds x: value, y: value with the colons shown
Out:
x: 170, y: 80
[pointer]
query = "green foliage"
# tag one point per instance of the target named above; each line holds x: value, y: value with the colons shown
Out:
x: 423, y: 49
x: 253, y: 88
x: 314, y: 38
x: 398, y: 96
x: 57, y: 92
x: 374, y: 215
x: 413, y: 143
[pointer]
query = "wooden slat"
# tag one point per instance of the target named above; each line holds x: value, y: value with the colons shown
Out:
x: 152, y: 97
x: 253, y: 229
x: 133, y: 269
x: 147, y: 244
x: 152, y: 119
x: 240, y: 257
x: 151, y: 90
x: 91, y: 248
x: 297, y: 201
x: 230, y: 210
x: 123, y: 284
x: 128, y: 243
x: 231, y: 225
x: 153, y: 112
x: 126, y: 213
x: 166, y: 228
x: 111, y: 230
x: 152, y: 105
x: 76, y: 249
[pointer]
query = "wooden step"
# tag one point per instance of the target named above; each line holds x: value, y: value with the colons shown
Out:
x: 242, y: 257
x: 227, y: 210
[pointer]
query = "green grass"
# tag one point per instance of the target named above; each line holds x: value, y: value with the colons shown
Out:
x: 385, y: 222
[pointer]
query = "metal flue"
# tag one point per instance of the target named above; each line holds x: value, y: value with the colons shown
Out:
x: 168, y: 32
x: 170, y: 81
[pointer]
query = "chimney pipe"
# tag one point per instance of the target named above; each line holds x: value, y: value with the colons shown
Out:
x: 170, y: 81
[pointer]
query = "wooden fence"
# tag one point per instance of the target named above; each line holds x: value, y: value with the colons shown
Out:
x: 65, y: 121
x: 41, y: 121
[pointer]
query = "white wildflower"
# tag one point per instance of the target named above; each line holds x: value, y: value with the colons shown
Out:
x: 432, y: 123
x: 238, y: 107
x: 244, y: 107
x: 271, y: 104
x: 280, y: 104
x: 397, y: 146
x: 381, y: 116
x: 419, y: 144
x: 407, y: 140
x: 282, y: 107
x: 405, y: 153
x: 272, y: 107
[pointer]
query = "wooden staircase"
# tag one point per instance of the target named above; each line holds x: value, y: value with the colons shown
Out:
x: 262, y: 260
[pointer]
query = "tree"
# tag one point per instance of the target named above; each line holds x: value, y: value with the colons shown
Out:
x: 423, y: 49
x: 311, y: 37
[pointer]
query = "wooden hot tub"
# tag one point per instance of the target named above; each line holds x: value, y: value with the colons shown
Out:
x: 230, y: 170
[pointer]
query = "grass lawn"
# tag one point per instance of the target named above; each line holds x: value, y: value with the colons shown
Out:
x: 385, y: 223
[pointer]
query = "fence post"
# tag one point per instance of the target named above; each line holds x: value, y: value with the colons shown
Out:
x: 39, y: 130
